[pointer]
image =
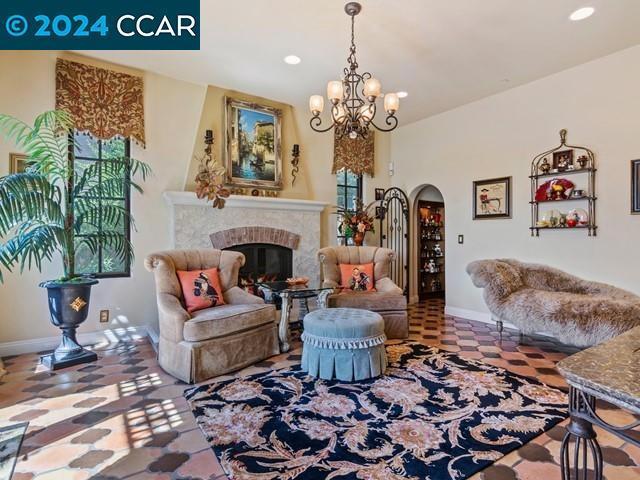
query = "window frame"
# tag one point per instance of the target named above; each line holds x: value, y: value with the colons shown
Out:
x: 342, y: 186
x: 127, y: 204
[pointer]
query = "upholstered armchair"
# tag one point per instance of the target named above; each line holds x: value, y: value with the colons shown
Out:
x: 387, y: 299
x: 211, y: 342
x: 538, y: 298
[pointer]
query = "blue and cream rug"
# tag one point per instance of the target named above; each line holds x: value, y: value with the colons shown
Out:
x: 434, y: 415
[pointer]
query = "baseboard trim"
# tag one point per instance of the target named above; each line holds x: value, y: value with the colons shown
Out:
x: 473, y: 315
x: 86, y: 338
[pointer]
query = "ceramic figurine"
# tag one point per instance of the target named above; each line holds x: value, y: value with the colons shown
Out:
x: 433, y: 268
x: 545, y: 167
x: 563, y: 163
x: 437, y: 250
x: 562, y: 221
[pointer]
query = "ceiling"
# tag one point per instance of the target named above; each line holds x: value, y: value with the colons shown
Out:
x: 444, y: 53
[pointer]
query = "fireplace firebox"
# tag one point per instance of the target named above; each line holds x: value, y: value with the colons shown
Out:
x: 264, y: 263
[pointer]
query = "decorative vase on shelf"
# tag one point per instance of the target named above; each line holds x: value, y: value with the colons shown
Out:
x: 358, y: 239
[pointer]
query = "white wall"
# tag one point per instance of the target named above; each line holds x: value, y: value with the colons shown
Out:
x: 430, y: 194
x: 598, y: 103
x: 172, y: 113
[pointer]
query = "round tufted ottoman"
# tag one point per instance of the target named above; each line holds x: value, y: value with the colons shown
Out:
x: 343, y: 343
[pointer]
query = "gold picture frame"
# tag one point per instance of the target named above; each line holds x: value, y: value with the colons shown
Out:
x: 17, y: 163
x: 253, y: 145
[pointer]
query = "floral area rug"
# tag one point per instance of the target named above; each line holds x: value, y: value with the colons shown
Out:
x: 434, y: 415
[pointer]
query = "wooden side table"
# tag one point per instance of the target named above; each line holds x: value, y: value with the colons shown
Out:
x: 610, y: 372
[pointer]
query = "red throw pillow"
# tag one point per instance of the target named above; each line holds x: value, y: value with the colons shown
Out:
x: 201, y: 289
x: 358, y: 278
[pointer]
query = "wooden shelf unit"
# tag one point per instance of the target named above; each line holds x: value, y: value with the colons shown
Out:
x: 429, y: 235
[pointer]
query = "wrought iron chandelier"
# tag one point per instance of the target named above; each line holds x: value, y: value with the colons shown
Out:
x: 353, y: 99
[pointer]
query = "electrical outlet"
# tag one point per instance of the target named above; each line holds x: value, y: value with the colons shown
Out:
x: 104, y: 316
x: 460, y: 239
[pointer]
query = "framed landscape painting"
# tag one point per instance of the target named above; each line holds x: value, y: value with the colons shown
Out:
x: 635, y: 187
x: 253, y: 150
x: 492, y: 198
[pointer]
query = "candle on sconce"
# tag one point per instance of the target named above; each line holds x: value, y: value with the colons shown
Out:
x: 294, y: 163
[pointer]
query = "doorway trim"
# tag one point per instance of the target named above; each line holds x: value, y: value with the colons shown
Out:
x: 414, y: 243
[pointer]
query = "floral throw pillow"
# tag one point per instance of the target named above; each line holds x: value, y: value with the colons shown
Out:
x: 357, y: 278
x: 201, y: 289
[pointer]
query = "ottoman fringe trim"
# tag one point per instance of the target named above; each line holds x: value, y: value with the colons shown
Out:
x: 343, y: 343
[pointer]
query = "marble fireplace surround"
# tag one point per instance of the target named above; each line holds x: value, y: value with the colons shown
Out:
x: 281, y: 221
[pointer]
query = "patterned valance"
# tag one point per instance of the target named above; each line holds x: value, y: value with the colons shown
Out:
x: 102, y: 102
x: 356, y: 155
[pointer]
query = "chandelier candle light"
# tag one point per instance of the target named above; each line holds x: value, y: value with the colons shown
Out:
x: 353, y: 99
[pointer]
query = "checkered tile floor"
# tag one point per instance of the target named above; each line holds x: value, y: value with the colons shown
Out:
x: 123, y: 417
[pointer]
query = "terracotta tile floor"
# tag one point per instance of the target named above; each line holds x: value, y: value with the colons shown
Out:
x: 124, y: 418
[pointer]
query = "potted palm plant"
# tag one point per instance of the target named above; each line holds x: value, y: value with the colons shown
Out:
x: 43, y: 208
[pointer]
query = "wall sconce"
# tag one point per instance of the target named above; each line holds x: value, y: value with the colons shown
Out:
x: 208, y: 141
x: 294, y: 163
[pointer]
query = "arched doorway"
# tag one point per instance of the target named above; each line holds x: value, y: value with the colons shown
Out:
x: 428, y: 243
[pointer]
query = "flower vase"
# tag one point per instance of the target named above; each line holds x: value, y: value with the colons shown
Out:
x: 358, y: 239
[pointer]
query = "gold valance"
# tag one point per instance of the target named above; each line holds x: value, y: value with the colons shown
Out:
x: 102, y: 102
x: 356, y: 155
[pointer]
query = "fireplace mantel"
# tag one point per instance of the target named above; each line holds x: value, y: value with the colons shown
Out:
x: 243, y: 201
x: 193, y: 221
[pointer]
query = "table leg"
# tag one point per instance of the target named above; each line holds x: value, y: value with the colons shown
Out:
x: 283, y: 331
x: 304, y: 309
x: 586, y: 444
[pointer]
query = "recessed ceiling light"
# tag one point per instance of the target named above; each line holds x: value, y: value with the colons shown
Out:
x: 292, y: 59
x: 402, y: 94
x: 582, y: 13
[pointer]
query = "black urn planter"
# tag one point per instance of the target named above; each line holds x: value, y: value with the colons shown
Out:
x: 69, y: 307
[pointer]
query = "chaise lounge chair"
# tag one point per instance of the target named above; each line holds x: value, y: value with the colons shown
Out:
x: 537, y: 298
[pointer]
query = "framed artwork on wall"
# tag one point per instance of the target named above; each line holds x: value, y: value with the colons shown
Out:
x: 17, y: 163
x: 492, y: 198
x: 563, y: 160
x: 635, y: 187
x: 253, y: 144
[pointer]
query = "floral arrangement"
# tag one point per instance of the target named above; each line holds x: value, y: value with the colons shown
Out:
x: 356, y: 221
x: 209, y: 184
x: 210, y: 176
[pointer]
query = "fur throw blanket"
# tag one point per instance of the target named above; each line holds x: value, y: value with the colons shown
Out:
x: 537, y: 298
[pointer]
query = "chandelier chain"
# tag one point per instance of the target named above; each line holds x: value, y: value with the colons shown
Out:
x: 351, y: 59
